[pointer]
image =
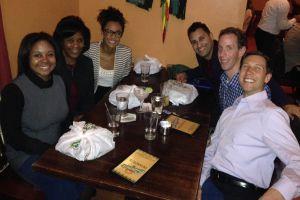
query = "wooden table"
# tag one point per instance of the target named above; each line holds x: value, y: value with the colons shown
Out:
x: 175, y: 176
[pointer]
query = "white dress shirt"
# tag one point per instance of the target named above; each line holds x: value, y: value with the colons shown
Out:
x: 248, y: 137
x: 274, y: 17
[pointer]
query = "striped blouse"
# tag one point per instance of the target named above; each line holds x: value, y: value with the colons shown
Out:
x: 122, y: 67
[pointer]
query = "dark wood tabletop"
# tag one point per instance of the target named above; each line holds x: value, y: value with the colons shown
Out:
x: 175, y: 176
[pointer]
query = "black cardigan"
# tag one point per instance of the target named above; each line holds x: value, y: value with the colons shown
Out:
x: 84, y: 78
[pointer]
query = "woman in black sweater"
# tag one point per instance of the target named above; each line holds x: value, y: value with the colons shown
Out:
x: 76, y: 70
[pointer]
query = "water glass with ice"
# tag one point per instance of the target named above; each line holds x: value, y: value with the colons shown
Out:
x: 145, y: 71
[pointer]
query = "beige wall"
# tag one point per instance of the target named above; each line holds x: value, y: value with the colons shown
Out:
x: 144, y: 28
x: 143, y: 31
x: 24, y: 16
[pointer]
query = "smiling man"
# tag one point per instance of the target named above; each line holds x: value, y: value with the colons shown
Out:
x: 206, y: 49
x: 239, y: 162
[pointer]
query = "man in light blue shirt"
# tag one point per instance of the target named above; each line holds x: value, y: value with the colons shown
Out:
x: 239, y: 162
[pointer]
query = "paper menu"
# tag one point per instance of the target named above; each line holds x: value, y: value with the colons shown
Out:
x: 135, y: 165
x: 183, y: 125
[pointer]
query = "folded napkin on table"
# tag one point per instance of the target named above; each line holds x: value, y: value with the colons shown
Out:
x: 155, y: 65
x: 179, y: 93
x: 85, y: 141
x: 132, y: 99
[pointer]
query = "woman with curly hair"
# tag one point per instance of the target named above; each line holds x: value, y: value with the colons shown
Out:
x: 111, y: 60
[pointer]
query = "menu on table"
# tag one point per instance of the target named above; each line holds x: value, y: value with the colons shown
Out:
x: 135, y: 165
x: 183, y: 125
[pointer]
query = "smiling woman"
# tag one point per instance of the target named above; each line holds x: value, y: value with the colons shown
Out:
x: 42, y: 59
x: 76, y: 70
x: 112, y: 60
x: 33, y: 107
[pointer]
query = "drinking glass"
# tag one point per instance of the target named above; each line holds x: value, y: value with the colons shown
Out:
x: 164, y: 90
x: 122, y: 102
x: 141, y: 94
x: 113, y: 117
x: 151, y: 125
x: 145, y: 71
x: 157, y: 103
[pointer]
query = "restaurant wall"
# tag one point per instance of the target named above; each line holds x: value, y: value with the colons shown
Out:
x: 24, y: 16
x: 144, y: 28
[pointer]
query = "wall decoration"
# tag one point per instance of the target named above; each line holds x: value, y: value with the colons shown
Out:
x: 174, y: 7
x: 177, y: 8
x: 145, y: 4
x: 165, y: 4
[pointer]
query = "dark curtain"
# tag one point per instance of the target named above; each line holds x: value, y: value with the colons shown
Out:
x: 5, y: 73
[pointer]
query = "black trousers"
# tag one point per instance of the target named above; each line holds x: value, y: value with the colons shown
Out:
x: 265, y: 42
x: 231, y: 191
x: 272, y: 46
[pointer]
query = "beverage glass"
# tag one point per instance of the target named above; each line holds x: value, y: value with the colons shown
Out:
x: 145, y: 71
x: 164, y: 90
x: 157, y: 103
x: 151, y: 125
x: 113, y: 117
x: 122, y: 102
x: 141, y: 94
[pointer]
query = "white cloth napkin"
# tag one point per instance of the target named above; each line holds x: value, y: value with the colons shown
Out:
x: 180, y: 93
x: 85, y: 141
x: 155, y: 65
x: 132, y: 99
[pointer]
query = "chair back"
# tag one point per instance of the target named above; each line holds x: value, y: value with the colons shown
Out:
x: 3, y: 160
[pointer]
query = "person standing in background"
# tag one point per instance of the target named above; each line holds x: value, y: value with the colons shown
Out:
x: 292, y: 41
x: 273, y: 20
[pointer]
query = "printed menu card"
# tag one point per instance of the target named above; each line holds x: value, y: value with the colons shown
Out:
x: 135, y: 165
x: 183, y: 125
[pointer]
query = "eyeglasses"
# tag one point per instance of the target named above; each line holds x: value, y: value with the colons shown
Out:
x: 111, y: 33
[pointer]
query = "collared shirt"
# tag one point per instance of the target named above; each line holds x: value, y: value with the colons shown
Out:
x: 231, y: 89
x: 248, y: 137
x: 274, y: 17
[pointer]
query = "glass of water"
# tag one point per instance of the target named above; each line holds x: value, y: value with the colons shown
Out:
x: 151, y: 125
x: 145, y: 71
x: 113, y: 120
x: 122, y: 102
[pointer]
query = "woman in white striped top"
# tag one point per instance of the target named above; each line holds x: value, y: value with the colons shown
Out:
x: 111, y: 60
